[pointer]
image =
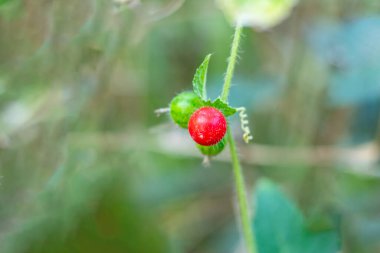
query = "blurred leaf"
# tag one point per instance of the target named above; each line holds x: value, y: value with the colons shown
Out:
x: 260, y: 14
x: 199, y: 81
x: 222, y: 106
x: 279, y: 225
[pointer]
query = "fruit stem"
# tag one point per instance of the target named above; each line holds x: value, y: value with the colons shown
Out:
x: 248, y: 235
x: 206, y: 161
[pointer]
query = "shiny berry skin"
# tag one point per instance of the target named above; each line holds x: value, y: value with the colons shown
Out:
x: 214, y: 149
x: 207, y: 126
x: 183, y: 106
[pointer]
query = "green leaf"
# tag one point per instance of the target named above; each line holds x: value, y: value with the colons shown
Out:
x: 199, y: 80
x: 279, y: 225
x: 222, y: 106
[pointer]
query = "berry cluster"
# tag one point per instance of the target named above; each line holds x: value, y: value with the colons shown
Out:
x: 204, y: 119
x: 207, y: 125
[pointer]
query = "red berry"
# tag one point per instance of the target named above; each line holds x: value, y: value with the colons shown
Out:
x: 207, y: 126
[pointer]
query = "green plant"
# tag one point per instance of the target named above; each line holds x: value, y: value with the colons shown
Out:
x: 211, y: 134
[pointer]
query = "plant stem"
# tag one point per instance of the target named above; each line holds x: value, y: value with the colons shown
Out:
x: 242, y: 197
x: 238, y: 173
x: 231, y: 63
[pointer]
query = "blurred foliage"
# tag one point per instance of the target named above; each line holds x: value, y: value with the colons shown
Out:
x: 86, y: 166
x: 280, y: 227
x: 260, y: 14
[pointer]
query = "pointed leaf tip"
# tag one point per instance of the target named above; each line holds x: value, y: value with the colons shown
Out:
x: 200, y: 78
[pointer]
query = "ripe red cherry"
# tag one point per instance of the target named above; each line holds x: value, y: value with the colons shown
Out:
x: 207, y: 126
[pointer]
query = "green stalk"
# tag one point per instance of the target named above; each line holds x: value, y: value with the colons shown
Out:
x: 238, y: 173
x: 242, y: 197
x: 231, y: 63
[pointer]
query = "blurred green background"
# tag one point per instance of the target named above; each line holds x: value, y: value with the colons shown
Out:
x: 86, y: 166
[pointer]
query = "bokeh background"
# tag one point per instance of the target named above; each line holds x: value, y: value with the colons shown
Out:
x: 86, y: 166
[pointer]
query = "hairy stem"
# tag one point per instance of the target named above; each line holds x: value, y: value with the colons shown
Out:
x: 242, y: 197
x: 231, y: 63
x: 238, y: 173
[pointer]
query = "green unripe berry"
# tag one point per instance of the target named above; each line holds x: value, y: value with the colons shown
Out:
x: 183, y: 106
x: 214, y: 149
